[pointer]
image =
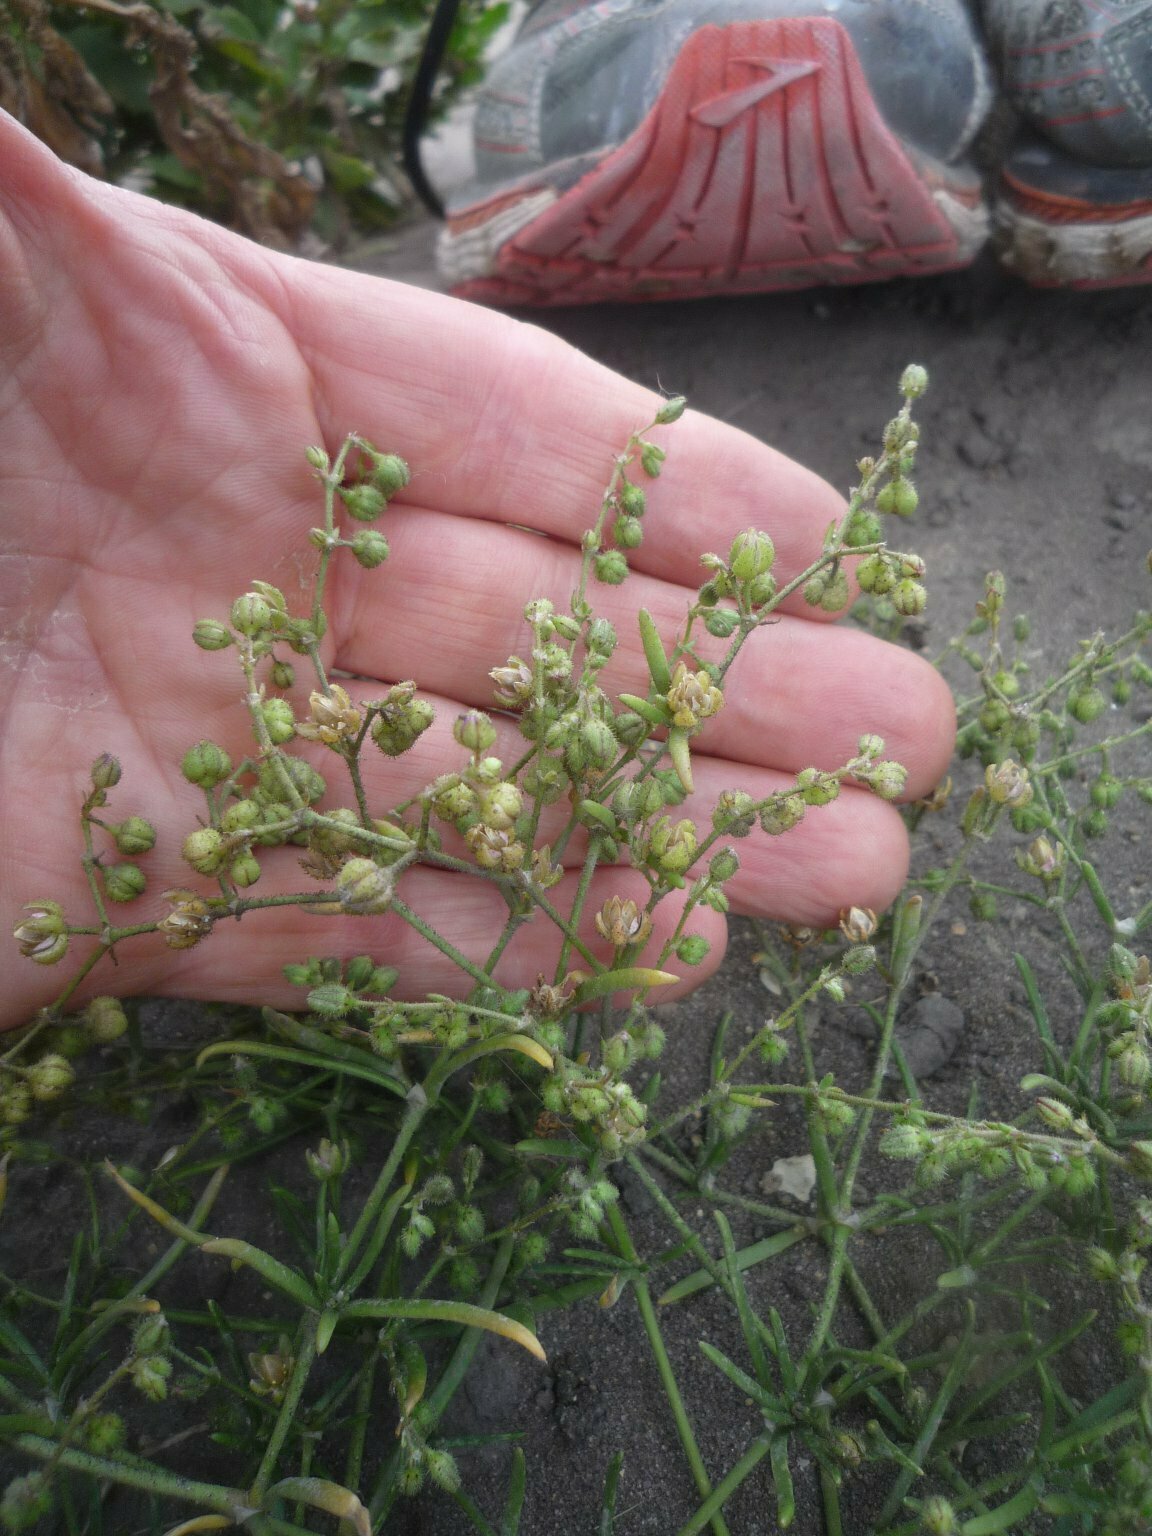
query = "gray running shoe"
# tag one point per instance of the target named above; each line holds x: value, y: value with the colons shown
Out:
x: 1076, y: 195
x: 634, y: 149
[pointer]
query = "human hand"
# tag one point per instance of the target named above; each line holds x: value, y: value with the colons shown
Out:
x: 159, y: 381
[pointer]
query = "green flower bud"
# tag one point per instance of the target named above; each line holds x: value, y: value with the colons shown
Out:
x: 938, y: 1518
x: 633, y: 501
x: 902, y: 1139
x: 105, y: 1019
x: 150, y: 1377
x: 782, y: 813
x: 279, y: 720
x: 211, y: 635
x: 836, y: 593
x: 1134, y: 1068
x: 599, y: 743
x: 240, y: 816
x: 370, y: 548
x: 723, y: 865
x: 886, y: 779
x: 364, y: 887
x: 909, y: 598
x: 500, y: 805
x: 26, y: 1501
x: 692, y: 948
x: 672, y: 410
x: 672, y: 847
x: 734, y: 814
x: 898, y: 497
x: 389, y: 472
x: 1087, y: 704
x: 283, y: 674
x: 123, y: 882
x: 244, y: 870
x: 474, y: 730
x: 105, y: 771
x: 363, y: 502
x: 817, y: 788
x: 104, y: 1432
x: 874, y: 574
x: 628, y: 532
x: 134, y: 835
x: 751, y: 555
x: 1106, y: 791
x: 1094, y: 823
x: 251, y: 614
x: 863, y: 527
x: 206, y: 764
x: 861, y: 958
x: 610, y: 567
x: 721, y: 622
x: 913, y: 381
x: 762, y: 590
x: 15, y: 1101
x: 309, y: 784
x: 50, y: 1077
x: 204, y: 849
x: 652, y: 459
x: 983, y: 906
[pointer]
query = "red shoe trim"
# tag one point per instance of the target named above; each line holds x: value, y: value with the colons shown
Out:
x: 1058, y: 208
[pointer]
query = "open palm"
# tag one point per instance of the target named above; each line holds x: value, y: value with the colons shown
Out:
x: 159, y: 382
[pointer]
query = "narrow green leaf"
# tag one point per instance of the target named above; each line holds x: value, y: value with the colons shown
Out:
x: 622, y: 981
x: 323, y: 1495
x: 782, y: 1477
x: 654, y: 653
x: 592, y: 810
x: 522, y: 1043
x: 681, y: 758
x: 1005, y: 1516
x: 461, y: 1312
x: 325, y: 1328
x: 365, y: 1067
x: 742, y: 1381
x: 655, y: 714
x: 514, y: 1503
x: 745, y: 1258
x: 157, y: 1212
x: 607, y: 1524
x: 276, y: 1274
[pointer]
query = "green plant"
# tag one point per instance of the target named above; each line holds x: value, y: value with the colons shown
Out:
x: 502, y: 1114
x: 273, y: 118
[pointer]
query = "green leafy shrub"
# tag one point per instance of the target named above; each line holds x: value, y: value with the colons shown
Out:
x: 275, y: 119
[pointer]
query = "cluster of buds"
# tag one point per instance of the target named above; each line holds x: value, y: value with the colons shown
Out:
x: 899, y: 577
x: 150, y: 1367
x: 745, y: 575
x: 399, y: 719
x: 670, y: 847
x: 993, y: 1150
x: 23, y: 1087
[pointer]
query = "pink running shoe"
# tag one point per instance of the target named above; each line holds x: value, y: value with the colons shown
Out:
x: 647, y: 149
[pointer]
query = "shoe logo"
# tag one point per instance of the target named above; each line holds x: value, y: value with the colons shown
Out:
x: 719, y: 111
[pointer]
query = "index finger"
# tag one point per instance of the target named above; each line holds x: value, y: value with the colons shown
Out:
x: 504, y: 422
